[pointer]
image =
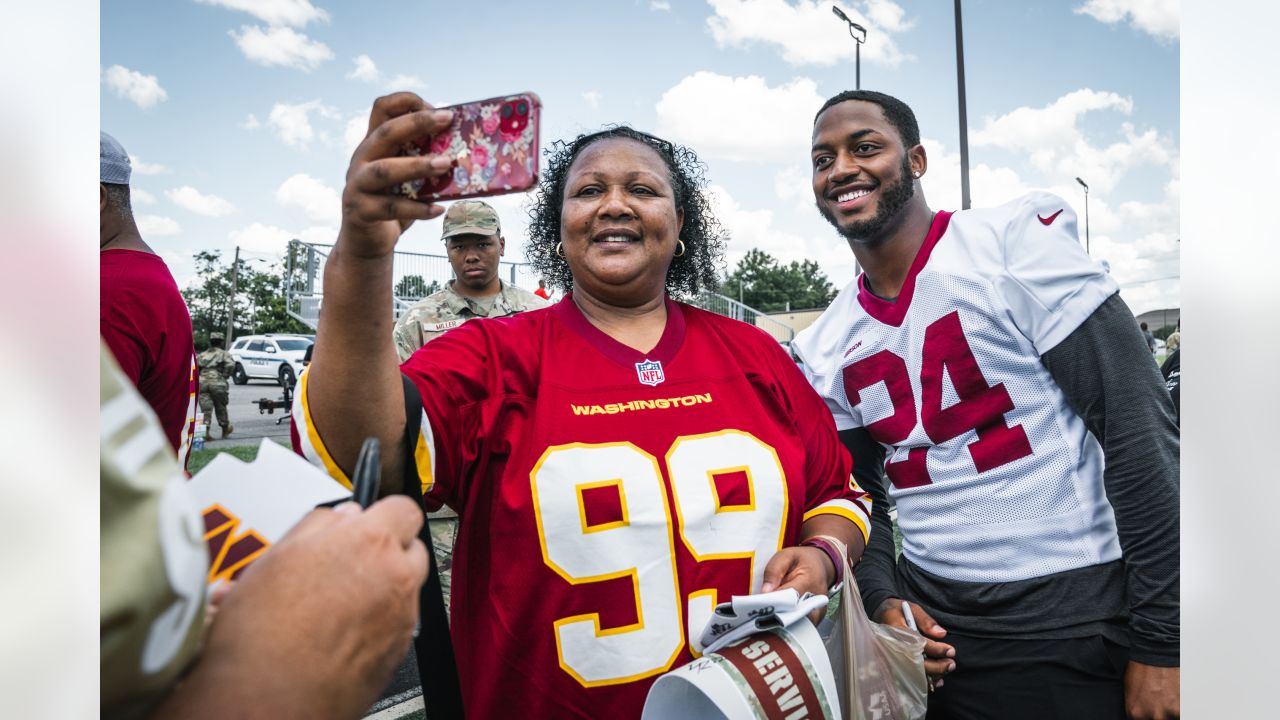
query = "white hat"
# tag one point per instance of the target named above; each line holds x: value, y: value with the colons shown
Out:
x: 776, y: 673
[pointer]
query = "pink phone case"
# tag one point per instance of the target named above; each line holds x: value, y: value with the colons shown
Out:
x: 495, y: 143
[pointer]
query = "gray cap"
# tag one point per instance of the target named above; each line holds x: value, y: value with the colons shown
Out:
x: 114, y: 166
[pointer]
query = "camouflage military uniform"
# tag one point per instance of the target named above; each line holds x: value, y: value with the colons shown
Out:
x: 430, y: 318
x: 216, y: 366
x: 152, y: 553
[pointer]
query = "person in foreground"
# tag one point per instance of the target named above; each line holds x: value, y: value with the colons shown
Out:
x: 308, y: 630
x: 621, y: 461
x: 987, y: 365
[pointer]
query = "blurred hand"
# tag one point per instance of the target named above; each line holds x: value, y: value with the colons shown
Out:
x: 316, y: 626
x: 373, y: 219
x: 1152, y: 693
x: 807, y: 569
x: 938, y: 657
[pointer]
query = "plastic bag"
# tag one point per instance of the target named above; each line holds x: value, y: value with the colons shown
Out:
x: 879, y: 668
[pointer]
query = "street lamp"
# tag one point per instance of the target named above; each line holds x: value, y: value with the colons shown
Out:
x: 964, y: 113
x: 1086, y: 214
x: 854, y: 29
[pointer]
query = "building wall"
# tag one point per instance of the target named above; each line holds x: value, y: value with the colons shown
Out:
x: 796, y: 320
x: 1156, y: 319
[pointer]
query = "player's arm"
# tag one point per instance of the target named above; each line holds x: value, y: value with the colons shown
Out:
x: 1105, y: 371
x: 354, y: 388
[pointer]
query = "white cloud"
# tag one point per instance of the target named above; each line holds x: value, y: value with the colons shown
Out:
x: 357, y: 128
x: 146, y: 168
x: 593, y: 99
x: 142, y: 90
x: 740, y: 118
x: 405, y: 82
x: 1159, y: 18
x: 155, y: 225
x: 1051, y: 139
x: 193, y: 200
x: 261, y: 238
x: 296, y: 13
x: 807, y: 33
x: 659, y: 5
x: 365, y: 69
x: 292, y: 123
x: 250, y: 123
x: 281, y: 46
x: 138, y: 196
x: 755, y: 229
x: 318, y: 201
x: 319, y: 235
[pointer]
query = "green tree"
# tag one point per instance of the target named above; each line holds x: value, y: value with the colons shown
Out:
x: 259, y: 303
x: 763, y: 283
x: 413, y: 287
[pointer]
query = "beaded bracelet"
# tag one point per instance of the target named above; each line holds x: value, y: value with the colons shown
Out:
x: 832, y: 553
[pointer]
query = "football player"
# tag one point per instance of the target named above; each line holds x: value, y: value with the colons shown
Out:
x: 987, y: 366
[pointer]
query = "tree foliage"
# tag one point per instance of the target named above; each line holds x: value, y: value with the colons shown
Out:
x: 259, y: 303
x: 415, y: 287
x: 761, y: 282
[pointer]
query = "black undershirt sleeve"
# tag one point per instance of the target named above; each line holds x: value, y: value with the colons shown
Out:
x: 1109, y: 379
x: 875, y: 571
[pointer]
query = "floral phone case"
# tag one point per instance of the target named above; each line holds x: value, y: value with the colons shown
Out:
x: 495, y: 144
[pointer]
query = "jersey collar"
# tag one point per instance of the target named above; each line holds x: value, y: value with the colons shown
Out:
x: 892, y: 312
x: 672, y: 336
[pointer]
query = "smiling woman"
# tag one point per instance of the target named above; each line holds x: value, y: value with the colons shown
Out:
x: 703, y: 238
x: 576, y: 442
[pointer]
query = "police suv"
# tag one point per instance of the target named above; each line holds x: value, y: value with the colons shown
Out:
x: 270, y: 357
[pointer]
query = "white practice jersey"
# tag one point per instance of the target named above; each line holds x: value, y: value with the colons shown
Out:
x: 996, y: 479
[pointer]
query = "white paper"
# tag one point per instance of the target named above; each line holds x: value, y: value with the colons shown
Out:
x: 267, y: 496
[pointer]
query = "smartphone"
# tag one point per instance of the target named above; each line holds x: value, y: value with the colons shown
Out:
x: 495, y: 144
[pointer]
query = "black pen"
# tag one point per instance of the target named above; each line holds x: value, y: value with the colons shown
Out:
x: 368, y: 473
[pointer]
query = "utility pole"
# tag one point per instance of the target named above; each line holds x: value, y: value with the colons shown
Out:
x: 231, y: 299
x: 964, y: 121
x: 1086, y: 215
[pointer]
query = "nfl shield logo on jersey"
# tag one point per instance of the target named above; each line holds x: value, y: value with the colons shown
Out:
x: 650, y: 372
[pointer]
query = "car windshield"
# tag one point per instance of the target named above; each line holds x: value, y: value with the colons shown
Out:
x: 292, y: 343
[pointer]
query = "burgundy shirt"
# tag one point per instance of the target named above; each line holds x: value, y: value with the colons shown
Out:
x: 146, y: 324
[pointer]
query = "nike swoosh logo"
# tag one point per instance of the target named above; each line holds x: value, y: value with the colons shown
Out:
x: 1049, y: 220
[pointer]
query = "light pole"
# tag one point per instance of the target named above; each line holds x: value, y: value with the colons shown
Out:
x: 964, y: 121
x: 854, y: 29
x: 1086, y: 214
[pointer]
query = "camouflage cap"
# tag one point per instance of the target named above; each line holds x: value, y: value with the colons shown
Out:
x: 470, y: 217
x: 217, y: 336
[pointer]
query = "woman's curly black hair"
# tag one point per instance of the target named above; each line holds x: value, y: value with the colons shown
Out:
x: 704, y: 239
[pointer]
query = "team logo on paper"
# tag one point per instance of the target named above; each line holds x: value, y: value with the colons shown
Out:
x: 650, y: 372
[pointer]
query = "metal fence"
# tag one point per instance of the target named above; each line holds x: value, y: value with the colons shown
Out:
x: 416, y: 275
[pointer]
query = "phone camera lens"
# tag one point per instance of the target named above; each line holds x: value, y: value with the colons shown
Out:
x: 522, y: 108
x: 506, y: 111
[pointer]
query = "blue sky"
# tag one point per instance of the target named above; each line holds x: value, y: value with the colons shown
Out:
x: 241, y: 114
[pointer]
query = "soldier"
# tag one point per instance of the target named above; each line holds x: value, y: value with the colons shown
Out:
x: 473, y: 240
x: 216, y: 366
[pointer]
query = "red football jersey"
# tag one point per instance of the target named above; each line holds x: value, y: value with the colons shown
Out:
x: 144, y: 320
x: 609, y: 498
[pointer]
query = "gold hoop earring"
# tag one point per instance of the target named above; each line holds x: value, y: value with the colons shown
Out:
x: 560, y: 249
x: 680, y: 244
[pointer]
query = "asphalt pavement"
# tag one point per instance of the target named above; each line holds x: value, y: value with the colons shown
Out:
x: 251, y: 422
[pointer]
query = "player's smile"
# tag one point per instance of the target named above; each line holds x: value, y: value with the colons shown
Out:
x: 862, y: 176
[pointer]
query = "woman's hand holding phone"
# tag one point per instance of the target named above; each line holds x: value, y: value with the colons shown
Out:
x: 373, y: 219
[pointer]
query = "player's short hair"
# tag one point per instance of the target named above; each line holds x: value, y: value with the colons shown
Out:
x: 1142, y: 325
x: 704, y: 239
x: 118, y: 199
x: 898, y: 113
